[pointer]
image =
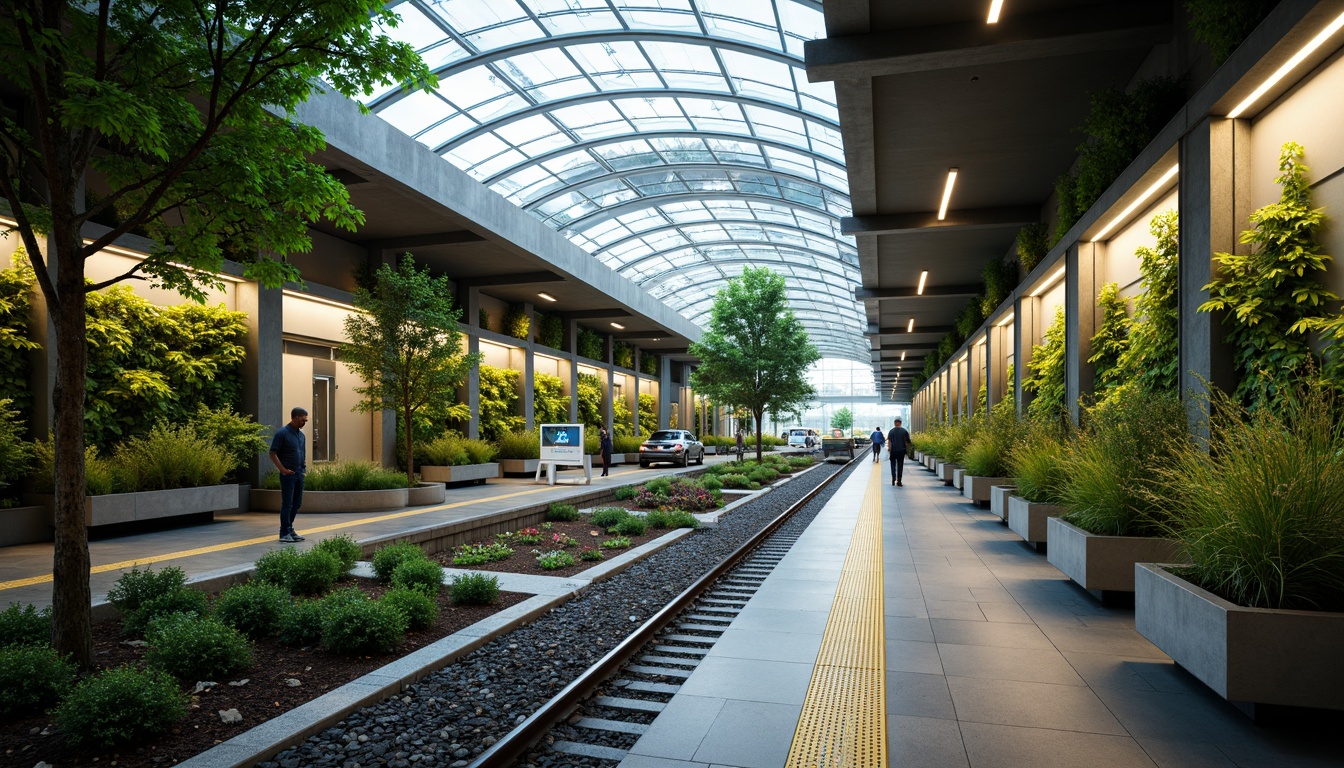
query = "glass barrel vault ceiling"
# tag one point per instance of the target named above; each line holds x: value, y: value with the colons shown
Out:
x: 675, y: 140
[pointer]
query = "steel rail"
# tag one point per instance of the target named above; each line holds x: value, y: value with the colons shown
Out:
x: 504, y: 752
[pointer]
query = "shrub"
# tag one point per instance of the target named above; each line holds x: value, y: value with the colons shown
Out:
x: 344, y: 547
x: 499, y: 407
x: 254, y: 609
x: 1036, y: 462
x: 626, y: 492
x: 763, y: 475
x: 479, y: 554
x: 657, y: 519
x: 1260, y: 515
x: 274, y: 566
x: 562, y: 513
x: 347, y: 476
x: 418, y: 607
x: 135, y: 587
x: 98, y: 475
x: 170, y: 457
x: 591, y: 553
x: 735, y: 481
x: 363, y: 627
x: 608, y: 516
x: 519, y: 445
x: 25, y: 625
x: 386, y: 559
x: 33, y: 678
x: 682, y: 520
x: 184, y: 600
x: 301, y: 623
x: 659, y: 486
x: 453, y: 450
x: 626, y: 443
x: 423, y: 575
x: 711, y: 483
x: 550, y: 404
x: 986, y: 455
x: 238, y: 435
x: 549, y: 561
x: 619, y: 542
x: 474, y: 589
x: 120, y: 706
x: 1033, y: 243
x: 196, y: 647
x: 313, y: 572
x: 631, y: 526
x: 1047, y: 370
x: 15, y: 453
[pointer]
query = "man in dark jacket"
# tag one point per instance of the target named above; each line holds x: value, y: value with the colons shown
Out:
x: 898, y: 442
x: 605, y: 446
x: 877, y: 440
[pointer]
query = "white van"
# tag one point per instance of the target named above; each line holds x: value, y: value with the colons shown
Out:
x: 798, y: 437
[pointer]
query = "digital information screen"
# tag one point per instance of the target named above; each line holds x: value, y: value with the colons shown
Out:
x: 562, y: 443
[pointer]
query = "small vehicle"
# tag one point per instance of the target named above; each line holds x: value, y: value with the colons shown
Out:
x: 676, y: 446
x: 803, y: 437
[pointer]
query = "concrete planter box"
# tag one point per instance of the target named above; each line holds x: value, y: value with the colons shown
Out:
x: 1028, y: 519
x: 945, y: 471
x: 1249, y: 656
x: 335, y: 501
x: 976, y: 488
x: 469, y: 473
x: 1104, y: 563
x: 958, y: 478
x: 623, y: 458
x: 25, y: 525
x: 998, y: 500
x: 425, y: 493
x: 930, y: 462
x: 115, y: 508
x: 519, y: 466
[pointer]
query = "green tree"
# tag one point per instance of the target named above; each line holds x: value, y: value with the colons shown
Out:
x: 1111, y: 339
x: 1271, y: 296
x: 405, y: 345
x: 842, y: 419
x: 499, y: 402
x: 179, y: 118
x: 1150, y: 360
x: 755, y: 354
x: 1047, y: 372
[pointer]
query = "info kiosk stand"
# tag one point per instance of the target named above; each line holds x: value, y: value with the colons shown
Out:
x: 562, y: 444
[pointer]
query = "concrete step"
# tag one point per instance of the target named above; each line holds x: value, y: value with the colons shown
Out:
x: 634, y: 705
x: 614, y: 726
x: 590, y: 750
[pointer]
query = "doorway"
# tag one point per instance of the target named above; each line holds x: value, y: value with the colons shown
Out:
x: 323, y: 418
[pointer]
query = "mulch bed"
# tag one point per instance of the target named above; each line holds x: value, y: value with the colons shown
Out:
x: 264, y: 696
x: 523, y: 561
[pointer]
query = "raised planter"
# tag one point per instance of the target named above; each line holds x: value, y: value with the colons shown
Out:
x: 113, y: 508
x: 25, y: 525
x: 336, y: 501
x: 1249, y: 656
x: 958, y: 478
x: 426, y: 493
x: 624, y: 458
x: 1027, y: 519
x: 469, y: 473
x: 930, y: 462
x: 945, y: 470
x: 998, y: 500
x: 1104, y: 564
x: 976, y: 488
x: 519, y: 466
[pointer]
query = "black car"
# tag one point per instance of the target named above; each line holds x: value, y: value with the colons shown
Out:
x: 673, y: 445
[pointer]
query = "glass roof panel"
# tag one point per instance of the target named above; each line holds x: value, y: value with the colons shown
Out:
x: 676, y: 141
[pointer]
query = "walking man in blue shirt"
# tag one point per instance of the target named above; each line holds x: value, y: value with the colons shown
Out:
x: 289, y: 455
x: 898, y: 441
x: 877, y: 439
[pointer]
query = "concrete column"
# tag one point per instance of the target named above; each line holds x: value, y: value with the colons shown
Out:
x: 976, y: 361
x: 665, y: 390
x: 263, y: 373
x: 609, y: 397
x: 1082, y: 318
x: 572, y: 336
x: 1215, y: 204
x: 1026, y: 333
x: 470, y: 300
x: 687, y: 398
x: 634, y: 396
x: 529, y: 367
x: 996, y: 364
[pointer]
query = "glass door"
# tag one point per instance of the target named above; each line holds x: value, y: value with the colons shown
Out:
x: 323, y: 432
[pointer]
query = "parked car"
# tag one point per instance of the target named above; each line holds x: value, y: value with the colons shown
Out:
x: 803, y: 437
x: 671, y: 445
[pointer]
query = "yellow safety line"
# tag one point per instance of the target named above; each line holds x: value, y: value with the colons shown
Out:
x: 28, y: 582
x: 844, y: 718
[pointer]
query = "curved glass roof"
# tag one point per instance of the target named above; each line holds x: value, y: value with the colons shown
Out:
x: 675, y: 140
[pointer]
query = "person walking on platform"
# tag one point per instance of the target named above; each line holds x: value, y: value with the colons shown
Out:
x: 289, y: 455
x: 877, y: 439
x: 898, y: 442
x: 604, y: 443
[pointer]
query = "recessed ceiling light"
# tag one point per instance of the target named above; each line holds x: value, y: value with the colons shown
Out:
x: 1289, y: 65
x: 1158, y: 186
x: 923, y: 278
x: 994, y: 8
x: 546, y: 296
x: 902, y: 355
x: 910, y: 326
x: 1007, y: 320
x: 947, y: 193
x: 618, y: 326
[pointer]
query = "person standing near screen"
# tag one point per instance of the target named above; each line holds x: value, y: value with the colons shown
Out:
x: 604, y: 445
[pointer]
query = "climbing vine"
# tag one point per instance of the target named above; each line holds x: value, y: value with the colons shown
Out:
x: 1151, y: 357
x: 1110, y: 341
x: 499, y: 402
x: 1047, y: 372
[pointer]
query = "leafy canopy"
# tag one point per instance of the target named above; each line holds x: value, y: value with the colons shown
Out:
x: 755, y: 353
x: 405, y: 344
x: 842, y: 419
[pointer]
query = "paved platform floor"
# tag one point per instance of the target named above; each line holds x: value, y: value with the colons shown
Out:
x: 994, y: 660
x: 235, y: 539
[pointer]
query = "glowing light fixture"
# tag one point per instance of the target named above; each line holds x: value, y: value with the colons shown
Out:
x: 1007, y: 320
x: 546, y: 296
x: 618, y: 326
x: 994, y: 8
x: 947, y: 193
x: 1288, y: 66
x: 910, y: 326
x: 981, y: 341
x: 923, y: 278
x: 1049, y: 281
x: 1158, y: 186
x: 902, y: 355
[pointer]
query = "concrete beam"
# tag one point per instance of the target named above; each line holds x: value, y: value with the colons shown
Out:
x: 519, y: 278
x: 641, y: 336
x: 972, y: 218
x: 593, y: 314
x: 873, y: 330
x: 909, y: 292
x: 1063, y: 32
x: 456, y: 237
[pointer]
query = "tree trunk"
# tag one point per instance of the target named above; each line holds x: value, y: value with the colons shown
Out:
x: 408, y: 419
x: 758, y: 415
x: 72, y: 626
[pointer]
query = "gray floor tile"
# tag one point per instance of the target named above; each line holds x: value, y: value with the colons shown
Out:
x: 767, y: 646
x: 909, y: 628
x: 905, y: 606
x: 911, y: 656
x: 1033, y: 705
x: 1005, y: 612
x: 777, y: 682
x: 1121, y: 642
x: 1183, y: 753
x: 643, y: 761
x: 1033, y: 665
x: 995, y: 634
x: 916, y: 695
x: 750, y: 734
x: 954, y: 609
x: 676, y: 732
x: 918, y: 742
x: 781, y: 620
x: 1002, y: 746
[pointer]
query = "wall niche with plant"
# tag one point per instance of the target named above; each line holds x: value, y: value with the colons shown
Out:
x: 551, y: 331
x: 499, y: 402
x: 591, y: 344
x: 516, y: 323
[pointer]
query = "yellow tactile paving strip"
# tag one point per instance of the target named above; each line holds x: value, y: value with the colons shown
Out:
x: 844, y: 720
x: 267, y: 539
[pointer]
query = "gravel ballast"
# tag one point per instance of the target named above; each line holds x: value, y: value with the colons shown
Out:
x: 454, y: 714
